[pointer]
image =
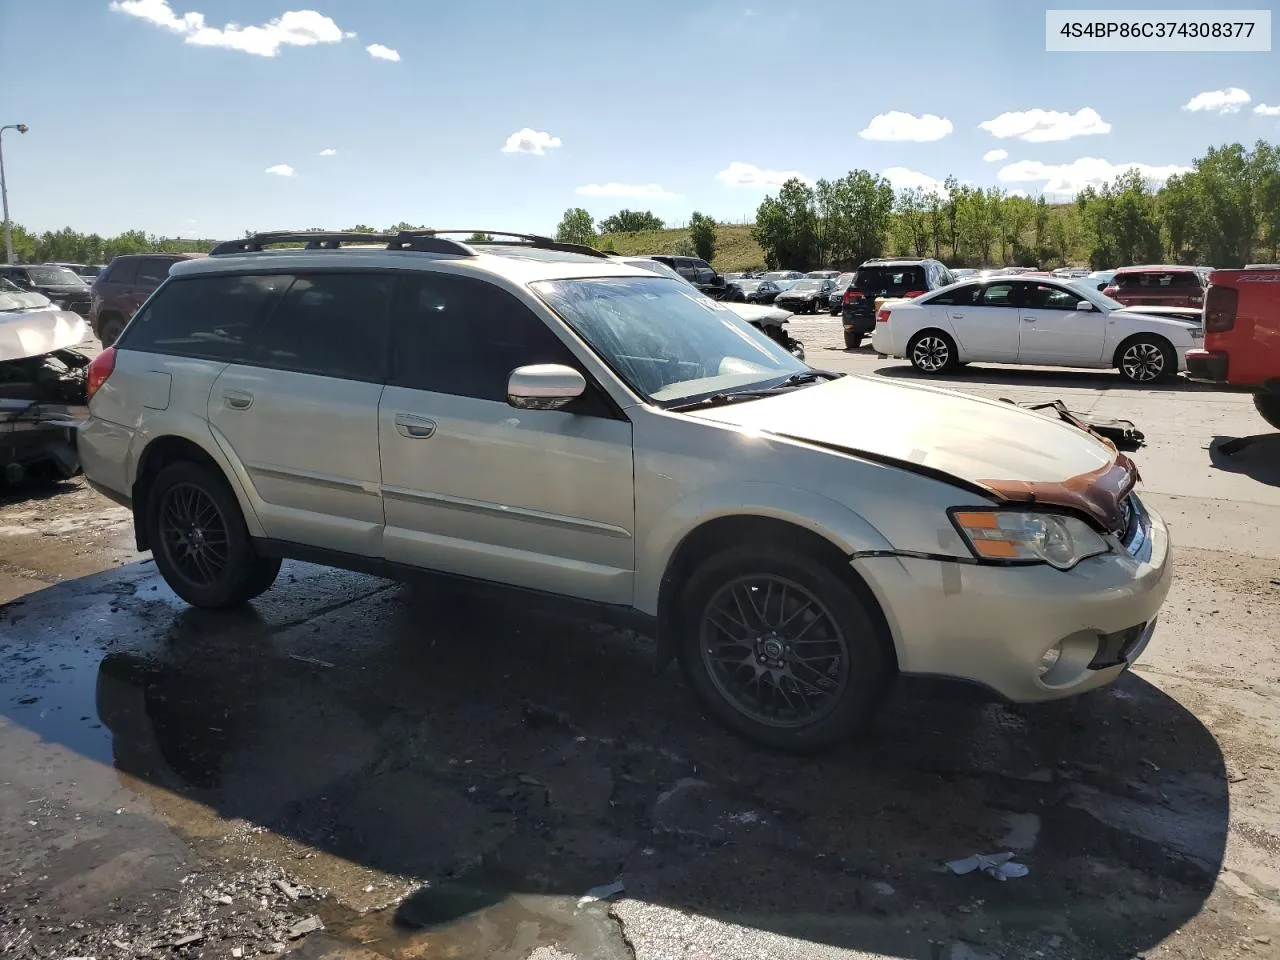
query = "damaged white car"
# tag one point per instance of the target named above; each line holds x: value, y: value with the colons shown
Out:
x: 42, y: 386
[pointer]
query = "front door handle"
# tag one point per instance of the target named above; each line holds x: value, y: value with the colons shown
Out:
x: 413, y: 427
x: 237, y: 399
x: 1028, y: 319
x: 957, y: 316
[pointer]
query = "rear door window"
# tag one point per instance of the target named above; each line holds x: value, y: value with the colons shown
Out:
x: 122, y: 271
x: 208, y: 318
x: 331, y: 325
x: 997, y: 295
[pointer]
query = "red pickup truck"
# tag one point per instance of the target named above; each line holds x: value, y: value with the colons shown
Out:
x: 1242, y: 335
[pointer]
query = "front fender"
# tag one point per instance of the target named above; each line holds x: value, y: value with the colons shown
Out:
x: 847, y: 530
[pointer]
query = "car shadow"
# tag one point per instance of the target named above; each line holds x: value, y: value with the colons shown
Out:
x: 1257, y: 456
x: 1022, y: 377
x: 34, y: 489
x: 500, y: 754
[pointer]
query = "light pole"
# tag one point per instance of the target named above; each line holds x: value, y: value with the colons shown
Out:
x: 4, y: 192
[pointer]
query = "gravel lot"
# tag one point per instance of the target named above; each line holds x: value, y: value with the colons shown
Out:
x: 356, y: 768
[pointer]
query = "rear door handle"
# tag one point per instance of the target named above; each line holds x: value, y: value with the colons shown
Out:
x: 1028, y: 319
x: 957, y: 316
x: 237, y: 399
x: 413, y: 427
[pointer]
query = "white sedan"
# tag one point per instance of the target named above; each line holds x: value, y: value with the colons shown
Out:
x: 1043, y: 321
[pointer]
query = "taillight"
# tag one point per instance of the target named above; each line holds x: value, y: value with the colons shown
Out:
x: 851, y: 295
x: 883, y: 315
x: 99, y: 369
x: 915, y: 293
x: 1220, y: 309
x: 1111, y: 291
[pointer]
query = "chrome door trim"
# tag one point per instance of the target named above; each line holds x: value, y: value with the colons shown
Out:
x: 506, y: 510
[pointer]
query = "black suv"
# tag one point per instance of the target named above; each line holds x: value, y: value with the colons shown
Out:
x: 698, y: 272
x: 66, y: 289
x: 882, y: 277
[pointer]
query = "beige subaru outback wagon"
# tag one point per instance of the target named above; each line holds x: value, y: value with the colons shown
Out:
x: 533, y: 415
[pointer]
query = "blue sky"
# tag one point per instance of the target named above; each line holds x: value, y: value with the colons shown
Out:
x: 152, y: 114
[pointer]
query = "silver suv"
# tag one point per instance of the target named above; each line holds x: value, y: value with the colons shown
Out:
x: 536, y: 415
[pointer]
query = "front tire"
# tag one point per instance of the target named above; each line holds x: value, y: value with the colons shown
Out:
x: 932, y: 352
x: 1146, y: 359
x: 1268, y: 407
x: 199, y: 539
x: 781, y: 649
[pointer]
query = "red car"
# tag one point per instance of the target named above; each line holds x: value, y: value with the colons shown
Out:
x: 1159, y: 286
x: 120, y: 289
x: 1242, y: 335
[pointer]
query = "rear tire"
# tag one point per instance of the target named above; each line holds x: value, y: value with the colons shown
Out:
x: 1268, y: 407
x: 932, y: 352
x: 111, y: 327
x: 199, y: 539
x: 852, y: 341
x: 810, y: 662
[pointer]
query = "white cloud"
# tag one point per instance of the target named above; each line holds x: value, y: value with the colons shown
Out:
x: 1068, y: 179
x: 328, y: 152
x: 896, y: 125
x: 993, y: 156
x: 528, y: 140
x: 379, y: 52
x: 280, y: 170
x: 631, y: 191
x: 1229, y: 100
x: 739, y: 174
x: 294, y: 28
x: 903, y: 178
x: 1264, y: 111
x: 1041, y: 126
x: 749, y: 12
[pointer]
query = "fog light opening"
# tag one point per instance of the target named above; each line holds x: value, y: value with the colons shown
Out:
x: 1049, y: 660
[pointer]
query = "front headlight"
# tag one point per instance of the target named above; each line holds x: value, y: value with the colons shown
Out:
x: 1029, y: 536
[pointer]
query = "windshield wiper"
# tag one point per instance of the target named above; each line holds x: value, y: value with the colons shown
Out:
x: 721, y: 399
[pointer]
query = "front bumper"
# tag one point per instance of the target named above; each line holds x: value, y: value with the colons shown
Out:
x: 991, y: 625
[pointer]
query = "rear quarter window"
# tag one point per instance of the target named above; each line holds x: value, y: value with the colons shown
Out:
x: 206, y: 318
x: 120, y: 271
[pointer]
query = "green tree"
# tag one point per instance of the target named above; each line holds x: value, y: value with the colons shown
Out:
x: 1120, y: 222
x: 702, y: 234
x: 576, y: 226
x: 913, y: 221
x: 480, y: 238
x: 1017, y: 213
x: 631, y: 221
x: 785, y: 227
x: 1041, y: 230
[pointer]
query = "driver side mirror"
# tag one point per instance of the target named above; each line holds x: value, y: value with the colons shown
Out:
x: 1085, y: 306
x: 544, y: 386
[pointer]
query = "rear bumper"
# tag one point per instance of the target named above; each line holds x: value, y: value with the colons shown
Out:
x: 863, y: 323
x: 1211, y: 365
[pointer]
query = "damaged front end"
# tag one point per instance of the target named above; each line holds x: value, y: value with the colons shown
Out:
x: 42, y: 394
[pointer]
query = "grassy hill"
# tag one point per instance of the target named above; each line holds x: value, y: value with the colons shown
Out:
x: 735, y: 250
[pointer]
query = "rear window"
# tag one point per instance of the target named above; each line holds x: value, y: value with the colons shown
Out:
x: 891, y: 281
x: 1157, y: 280
x: 153, y: 270
x: 208, y: 318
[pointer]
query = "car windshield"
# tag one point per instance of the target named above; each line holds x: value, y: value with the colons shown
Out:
x: 844, y: 280
x: 655, y: 266
x: 777, y: 275
x: 667, y: 342
x: 8, y: 286
x: 54, y: 276
x: 805, y: 286
x: 749, y: 286
x: 1088, y: 290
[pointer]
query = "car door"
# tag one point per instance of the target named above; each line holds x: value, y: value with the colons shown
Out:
x: 985, y: 319
x: 299, y: 412
x: 1051, y: 329
x: 473, y: 486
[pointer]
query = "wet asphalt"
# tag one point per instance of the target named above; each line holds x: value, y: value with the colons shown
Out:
x: 443, y: 777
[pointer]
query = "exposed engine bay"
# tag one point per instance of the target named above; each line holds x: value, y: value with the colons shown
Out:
x: 42, y: 394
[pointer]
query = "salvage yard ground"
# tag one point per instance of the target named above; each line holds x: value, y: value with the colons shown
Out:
x: 425, y: 776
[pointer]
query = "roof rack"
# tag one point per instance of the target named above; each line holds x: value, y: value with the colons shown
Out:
x: 421, y: 241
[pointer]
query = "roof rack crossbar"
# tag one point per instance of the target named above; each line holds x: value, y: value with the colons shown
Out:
x: 311, y: 240
x: 532, y: 239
